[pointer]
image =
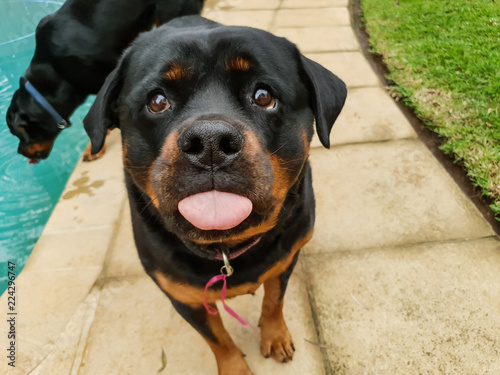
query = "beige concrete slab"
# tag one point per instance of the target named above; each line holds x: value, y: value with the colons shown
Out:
x: 352, y: 67
x: 260, y: 19
x: 94, y: 193
x: 229, y: 5
x: 139, y: 307
x: 74, y: 249
x: 428, y: 309
x: 369, y: 115
x: 386, y: 194
x: 61, y: 358
x: 321, y: 39
x: 124, y: 260
x: 88, y: 209
x: 312, y: 17
x: 53, y: 289
x: 313, y: 3
x: 46, y: 301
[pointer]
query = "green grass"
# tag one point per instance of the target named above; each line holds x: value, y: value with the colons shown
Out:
x: 444, y: 60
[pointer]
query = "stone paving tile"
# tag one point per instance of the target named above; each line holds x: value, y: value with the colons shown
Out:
x: 313, y: 3
x: 312, y: 17
x: 352, y: 67
x: 260, y: 19
x: 369, y: 115
x: 95, y: 203
x: 124, y: 260
x: 229, y: 5
x: 94, y: 193
x: 387, y: 194
x: 152, y: 324
x: 321, y: 39
x: 46, y: 301
x: 74, y: 249
x: 61, y: 358
x: 427, y: 309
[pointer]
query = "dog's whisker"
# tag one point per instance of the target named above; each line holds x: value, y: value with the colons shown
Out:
x: 279, y: 148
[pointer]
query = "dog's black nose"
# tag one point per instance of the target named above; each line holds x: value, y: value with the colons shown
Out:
x: 211, y: 143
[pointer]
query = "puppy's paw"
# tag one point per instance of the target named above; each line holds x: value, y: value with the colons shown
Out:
x: 276, y: 340
x: 87, y: 155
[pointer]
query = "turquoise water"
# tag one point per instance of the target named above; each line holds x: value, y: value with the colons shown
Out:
x: 28, y: 193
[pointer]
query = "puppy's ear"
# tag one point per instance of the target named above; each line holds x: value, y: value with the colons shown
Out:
x: 328, y: 94
x: 103, y: 114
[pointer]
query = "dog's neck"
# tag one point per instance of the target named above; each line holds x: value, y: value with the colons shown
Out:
x: 59, y: 93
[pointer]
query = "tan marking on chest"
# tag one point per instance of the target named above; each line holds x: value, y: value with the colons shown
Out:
x: 193, y: 296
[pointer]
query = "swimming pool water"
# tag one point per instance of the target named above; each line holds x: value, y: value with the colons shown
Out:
x: 28, y: 193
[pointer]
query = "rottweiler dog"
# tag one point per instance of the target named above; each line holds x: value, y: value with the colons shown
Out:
x: 76, y: 48
x: 216, y: 124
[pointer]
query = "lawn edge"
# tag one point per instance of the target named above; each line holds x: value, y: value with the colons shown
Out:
x: 430, y: 138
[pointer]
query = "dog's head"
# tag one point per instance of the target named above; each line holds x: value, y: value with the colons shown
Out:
x: 216, y: 125
x: 32, y: 124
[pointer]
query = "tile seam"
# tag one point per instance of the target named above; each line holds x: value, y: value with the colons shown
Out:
x: 402, y: 246
x: 312, y: 303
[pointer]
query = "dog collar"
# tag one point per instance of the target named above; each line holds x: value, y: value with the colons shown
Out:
x: 61, y: 122
x: 225, y: 272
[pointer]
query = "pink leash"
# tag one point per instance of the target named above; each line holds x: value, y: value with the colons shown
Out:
x: 213, y: 311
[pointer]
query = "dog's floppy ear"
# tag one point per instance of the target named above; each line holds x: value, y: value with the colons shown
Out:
x: 328, y: 94
x: 103, y: 114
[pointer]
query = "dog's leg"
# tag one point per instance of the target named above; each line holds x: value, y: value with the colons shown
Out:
x: 88, y: 156
x: 276, y: 340
x: 229, y: 357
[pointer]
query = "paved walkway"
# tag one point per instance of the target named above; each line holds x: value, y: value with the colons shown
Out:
x: 401, y: 277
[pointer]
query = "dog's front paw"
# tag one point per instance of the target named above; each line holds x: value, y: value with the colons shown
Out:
x: 276, y: 340
x: 88, y: 156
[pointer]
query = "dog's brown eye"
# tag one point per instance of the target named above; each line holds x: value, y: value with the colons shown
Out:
x: 158, y: 104
x: 263, y: 98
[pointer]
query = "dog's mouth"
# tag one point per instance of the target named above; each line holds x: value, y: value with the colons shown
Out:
x: 215, y: 210
x: 214, y: 251
x: 35, y: 151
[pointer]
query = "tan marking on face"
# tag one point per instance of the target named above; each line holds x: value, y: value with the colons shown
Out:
x: 178, y: 73
x: 281, y: 184
x: 283, y: 180
x: 124, y: 153
x: 238, y: 64
x: 307, y: 143
x: 40, y: 146
x: 169, y: 150
x: 151, y: 192
x: 252, y: 144
x: 143, y: 176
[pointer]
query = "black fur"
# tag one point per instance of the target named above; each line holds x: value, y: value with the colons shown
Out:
x: 76, y: 48
x: 304, y: 91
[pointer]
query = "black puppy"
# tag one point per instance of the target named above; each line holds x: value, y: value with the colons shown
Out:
x: 216, y: 123
x: 76, y: 48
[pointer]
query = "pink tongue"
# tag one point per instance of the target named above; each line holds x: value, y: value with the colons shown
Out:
x: 215, y: 210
